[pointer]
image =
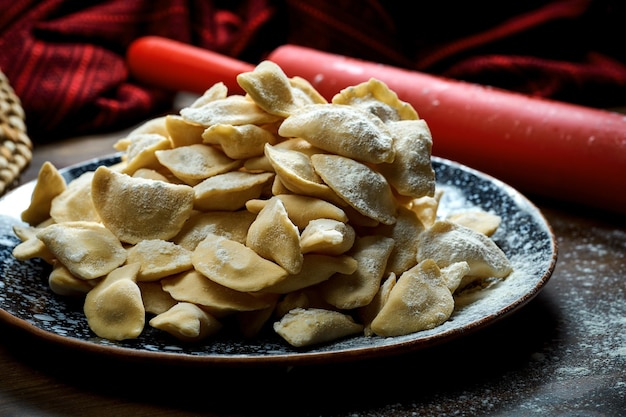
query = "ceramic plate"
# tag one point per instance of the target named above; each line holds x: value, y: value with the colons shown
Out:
x: 524, y: 235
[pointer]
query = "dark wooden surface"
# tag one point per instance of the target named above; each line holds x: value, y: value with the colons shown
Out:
x: 563, y: 354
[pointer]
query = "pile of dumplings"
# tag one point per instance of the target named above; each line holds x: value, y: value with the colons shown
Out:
x: 274, y: 209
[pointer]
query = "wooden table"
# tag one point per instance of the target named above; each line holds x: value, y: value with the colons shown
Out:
x: 562, y: 354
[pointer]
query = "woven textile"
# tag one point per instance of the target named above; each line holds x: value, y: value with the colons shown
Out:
x: 571, y: 50
x: 65, y: 59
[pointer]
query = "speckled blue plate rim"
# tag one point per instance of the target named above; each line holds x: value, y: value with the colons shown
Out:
x: 524, y: 234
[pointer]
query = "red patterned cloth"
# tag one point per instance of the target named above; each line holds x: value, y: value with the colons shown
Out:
x: 571, y: 50
x: 65, y: 59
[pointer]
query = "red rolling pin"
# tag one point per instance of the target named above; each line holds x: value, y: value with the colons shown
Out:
x: 539, y: 146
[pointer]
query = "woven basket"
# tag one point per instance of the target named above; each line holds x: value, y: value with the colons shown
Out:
x: 15, y: 145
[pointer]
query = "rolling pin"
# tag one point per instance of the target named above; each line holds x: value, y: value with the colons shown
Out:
x: 543, y: 147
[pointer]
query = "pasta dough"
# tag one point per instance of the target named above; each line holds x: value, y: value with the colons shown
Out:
x: 271, y: 210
